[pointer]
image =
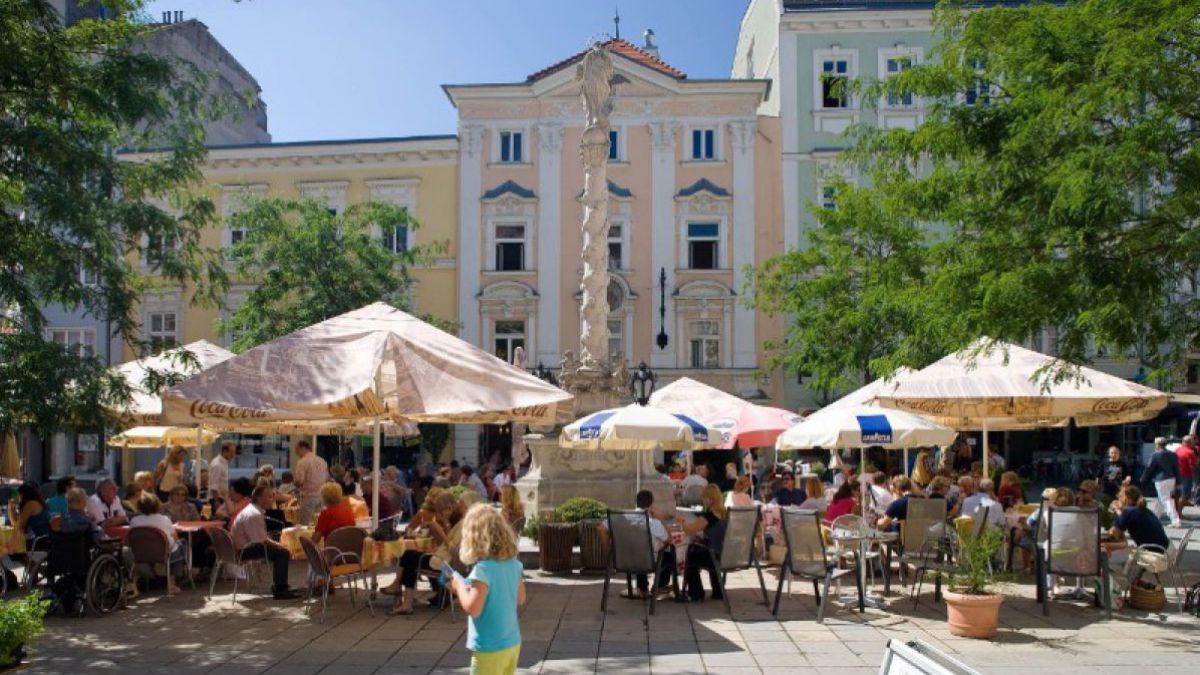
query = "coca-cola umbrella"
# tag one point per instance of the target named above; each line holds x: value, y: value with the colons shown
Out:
x: 994, y: 385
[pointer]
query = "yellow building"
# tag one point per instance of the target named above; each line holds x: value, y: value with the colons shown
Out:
x: 418, y: 172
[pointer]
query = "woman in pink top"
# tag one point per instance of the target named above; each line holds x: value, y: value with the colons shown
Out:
x: 740, y: 494
x: 845, y: 501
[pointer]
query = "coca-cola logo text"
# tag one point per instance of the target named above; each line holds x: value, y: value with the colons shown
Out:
x: 202, y: 409
x: 1119, y: 405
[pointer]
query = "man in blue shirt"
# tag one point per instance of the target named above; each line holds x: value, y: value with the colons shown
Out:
x: 897, y: 511
x: 1162, y: 472
x: 76, y: 518
x: 788, y: 495
x: 57, y: 505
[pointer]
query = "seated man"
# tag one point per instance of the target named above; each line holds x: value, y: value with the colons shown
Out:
x: 250, y: 537
x: 238, y: 498
x: 786, y: 493
x: 966, y: 492
x: 897, y: 511
x: 658, y: 534
x: 985, y: 497
x: 76, y: 518
x: 57, y: 505
x: 104, y: 508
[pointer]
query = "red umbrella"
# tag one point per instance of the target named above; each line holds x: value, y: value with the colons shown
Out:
x: 751, y: 426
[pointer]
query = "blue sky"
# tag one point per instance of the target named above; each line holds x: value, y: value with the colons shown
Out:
x: 365, y: 68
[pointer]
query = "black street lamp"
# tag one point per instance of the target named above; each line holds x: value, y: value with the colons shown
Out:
x: 544, y: 374
x: 641, y: 384
x: 662, y: 338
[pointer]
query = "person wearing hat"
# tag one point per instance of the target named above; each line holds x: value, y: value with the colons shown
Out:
x: 1162, y: 471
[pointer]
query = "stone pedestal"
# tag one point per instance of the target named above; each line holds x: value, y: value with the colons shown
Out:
x: 611, y: 476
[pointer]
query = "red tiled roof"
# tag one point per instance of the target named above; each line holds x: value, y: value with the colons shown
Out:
x: 616, y: 46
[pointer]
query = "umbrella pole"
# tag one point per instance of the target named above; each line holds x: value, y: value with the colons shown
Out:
x: 986, y: 472
x: 862, y: 479
x: 196, y: 461
x: 904, y: 469
x: 375, y: 485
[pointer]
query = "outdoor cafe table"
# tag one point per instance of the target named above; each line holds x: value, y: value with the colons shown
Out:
x: 188, y: 528
x: 863, y: 540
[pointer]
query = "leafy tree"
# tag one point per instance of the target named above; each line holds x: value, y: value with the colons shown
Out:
x: 1058, y: 156
x: 74, y: 217
x: 310, y: 264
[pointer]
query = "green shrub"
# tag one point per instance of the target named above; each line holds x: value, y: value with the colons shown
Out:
x: 531, y: 527
x: 576, y: 509
x: 972, y: 571
x: 20, y: 624
x: 459, y: 490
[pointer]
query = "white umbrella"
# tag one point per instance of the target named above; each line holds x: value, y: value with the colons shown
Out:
x: 997, y: 385
x: 157, y: 437
x: 375, y: 364
x: 695, y: 399
x: 636, y: 427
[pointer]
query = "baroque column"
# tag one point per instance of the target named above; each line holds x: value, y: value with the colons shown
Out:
x: 596, y: 71
x: 549, y: 248
x: 743, y: 133
x: 663, y: 231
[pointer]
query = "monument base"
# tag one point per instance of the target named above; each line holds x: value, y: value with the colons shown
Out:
x: 610, y: 476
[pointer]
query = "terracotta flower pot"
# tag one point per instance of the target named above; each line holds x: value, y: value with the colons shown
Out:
x: 973, y: 616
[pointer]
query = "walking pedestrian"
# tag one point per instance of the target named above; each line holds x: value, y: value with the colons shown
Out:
x: 1163, y: 472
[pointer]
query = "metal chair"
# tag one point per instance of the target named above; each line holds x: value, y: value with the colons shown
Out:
x: 343, y: 554
x: 1172, y: 555
x: 857, y: 526
x: 1072, y: 548
x: 227, y: 556
x: 923, y: 527
x: 632, y: 552
x: 807, y: 558
x: 150, y: 546
x: 737, y: 551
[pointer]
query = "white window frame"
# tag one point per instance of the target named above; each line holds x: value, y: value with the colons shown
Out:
x: 398, y: 192
x: 232, y: 199
x: 623, y: 240
x: 722, y: 252
x: 331, y: 193
x: 718, y: 142
x: 497, y: 150
x: 87, y: 277
x: 824, y: 170
x: 616, y: 336
x: 915, y: 56
x: 617, y: 153
x: 693, y: 337
x: 151, y: 333
x: 509, y: 337
x: 84, y: 338
x: 820, y: 56
x: 494, y: 243
x: 990, y: 93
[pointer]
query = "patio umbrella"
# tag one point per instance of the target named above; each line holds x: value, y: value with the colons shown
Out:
x: 635, y: 427
x: 158, y: 437
x: 371, y: 365
x: 863, y: 426
x: 751, y: 426
x: 1007, y: 387
x: 10, y: 458
x: 695, y: 399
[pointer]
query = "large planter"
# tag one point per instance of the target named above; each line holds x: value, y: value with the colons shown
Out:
x: 556, y: 542
x: 973, y: 616
x: 593, y: 546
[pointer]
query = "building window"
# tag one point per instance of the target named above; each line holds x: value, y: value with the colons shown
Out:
x: 616, y: 337
x: 703, y: 246
x: 157, y: 246
x: 704, y: 143
x: 835, y: 77
x: 615, y: 246
x: 979, y: 92
x: 87, y: 276
x: 614, y: 145
x: 508, y: 335
x: 705, y: 344
x: 162, y: 330
x: 1193, y: 373
x: 510, y: 248
x: 511, y: 150
x: 395, y: 238
x: 893, y: 66
x: 79, y: 341
x: 828, y: 197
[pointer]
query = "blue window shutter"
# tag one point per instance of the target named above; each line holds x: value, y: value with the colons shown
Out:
x: 697, y: 144
x: 517, y: 147
x: 709, y: 135
x: 612, y: 145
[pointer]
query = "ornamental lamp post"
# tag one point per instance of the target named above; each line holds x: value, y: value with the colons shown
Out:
x: 662, y: 339
x: 641, y: 384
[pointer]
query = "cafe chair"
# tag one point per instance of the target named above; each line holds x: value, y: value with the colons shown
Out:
x: 737, y: 551
x: 632, y: 552
x: 1072, y: 549
x: 227, y: 559
x: 343, y: 555
x: 807, y: 558
x: 857, y: 526
x: 150, y: 546
x: 1170, y: 559
x: 922, y: 531
x: 320, y: 569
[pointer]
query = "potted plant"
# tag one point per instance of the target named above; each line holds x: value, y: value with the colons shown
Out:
x: 588, y: 514
x: 20, y: 624
x: 972, y: 607
x: 556, y: 542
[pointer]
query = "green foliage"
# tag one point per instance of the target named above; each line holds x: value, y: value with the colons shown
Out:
x: 20, y: 624
x: 532, y: 523
x: 70, y: 202
x: 576, y: 509
x: 457, y: 491
x: 311, y: 264
x: 1065, y: 198
x: 433, y: 438
x: 972, y: 571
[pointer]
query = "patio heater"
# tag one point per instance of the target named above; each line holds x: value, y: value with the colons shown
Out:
x: 641, y: 384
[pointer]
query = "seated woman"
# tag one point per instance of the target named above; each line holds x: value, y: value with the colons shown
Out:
x: 30, y: 515
x: 845, y: 501
x: 740, y: 494
x: 1010, y: 492
x: 178, y: 507
x: 710, y: 522
x: 337, y: 512
x: 131, y: 497
x: 433, y: 517
x: 1089, y: 490
x: 148, y: 516
x: 510, y: 505
x: 815, y: 499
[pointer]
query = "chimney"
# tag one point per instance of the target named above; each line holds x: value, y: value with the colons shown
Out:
x: 648, y: 43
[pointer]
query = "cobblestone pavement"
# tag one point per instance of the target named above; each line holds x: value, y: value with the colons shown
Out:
x: 564, y: 632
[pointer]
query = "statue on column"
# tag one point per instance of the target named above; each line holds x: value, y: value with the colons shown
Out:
x: 596, y: 72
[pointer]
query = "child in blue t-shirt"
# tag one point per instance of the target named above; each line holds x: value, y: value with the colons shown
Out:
x: 492, y: 592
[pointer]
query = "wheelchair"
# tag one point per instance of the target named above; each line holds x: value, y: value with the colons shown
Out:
x: 85, y: 575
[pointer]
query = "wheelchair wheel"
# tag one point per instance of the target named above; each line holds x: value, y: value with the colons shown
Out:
x: 105, y: 585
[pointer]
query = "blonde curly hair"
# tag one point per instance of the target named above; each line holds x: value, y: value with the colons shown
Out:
x: 485, y: 535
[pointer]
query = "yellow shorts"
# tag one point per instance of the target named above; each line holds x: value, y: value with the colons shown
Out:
x: 500, y: 662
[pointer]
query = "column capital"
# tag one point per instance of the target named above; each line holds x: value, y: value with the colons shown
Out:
x: 662, y: 134
x: 742, y: 133
x: 470, y: 139
x: 549, y: 137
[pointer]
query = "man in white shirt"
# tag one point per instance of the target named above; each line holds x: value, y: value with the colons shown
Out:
x: 506, y: 477
x: 985, y: 497
x: 699, y: 477
x: 659, y: 537
x: 881, y: 496
x: 310, y: 472
x: 104, y: 508
x: 218, y: 470
x: 251, y: 538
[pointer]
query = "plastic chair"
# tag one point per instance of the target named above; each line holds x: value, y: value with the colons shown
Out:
x: 150, y: 546
x: 227, y: 557
x: 343, y: 554
x: 922, y: 529
x: 807, y: 558
x: 737, y: 549
x: 632, y: 552
x: 1072, y: 549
